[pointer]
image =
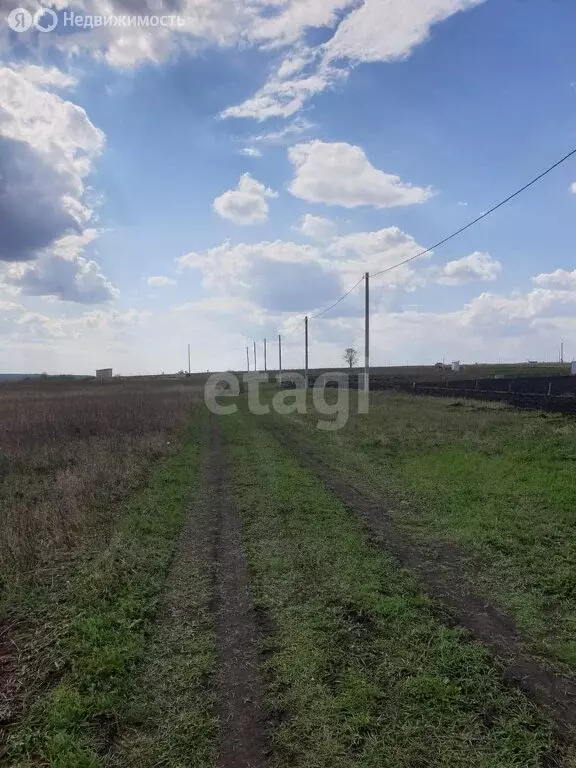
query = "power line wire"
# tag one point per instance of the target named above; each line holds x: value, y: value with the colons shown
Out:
x: 289, y: 333
x: 335, y: 304
x: 454, y: 234
x: 479, y: 218
x: 494, y: 208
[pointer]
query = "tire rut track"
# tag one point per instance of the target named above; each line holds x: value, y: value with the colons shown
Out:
x: 439, y: 569
x: 202, y: 683
x: 243, y: 723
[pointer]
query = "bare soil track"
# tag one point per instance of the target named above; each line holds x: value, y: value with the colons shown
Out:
x: 442, y: 571
x: 243, y: 727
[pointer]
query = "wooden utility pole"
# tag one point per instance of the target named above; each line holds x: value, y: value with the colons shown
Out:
x: 279, y: 360
x: 265, y: 358
x: 248, y: 359
x: 255, y: 363
x: 306, y: 353
x: 367, y: 335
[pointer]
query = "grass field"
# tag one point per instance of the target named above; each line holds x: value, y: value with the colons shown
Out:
x: 211, y: 594
x: 410, y: 373
x: 361, y: 671
x: 497, y: 482
x: 69, y: 452
x: 73, y: 458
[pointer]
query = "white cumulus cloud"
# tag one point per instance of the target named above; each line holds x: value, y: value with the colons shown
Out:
x: 277, y: 275
x: 560, y: 278
x: 375, y: 251
x: 317, y: 227
x: 520, y: 311
x: 282, y: 276
x: 247, y: 204
x: 63, y: 272
x: 468, y: 269
x: 47, y: 148
x: 341, y: 174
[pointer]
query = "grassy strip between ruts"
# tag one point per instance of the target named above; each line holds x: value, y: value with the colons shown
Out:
x: 107, y: 622
x: 170, y: 719
x: 361, y: 671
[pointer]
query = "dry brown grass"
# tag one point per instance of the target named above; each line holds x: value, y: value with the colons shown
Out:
x: 70, y: 451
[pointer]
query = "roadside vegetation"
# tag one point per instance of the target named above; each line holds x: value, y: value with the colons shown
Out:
x: 498, y: 482
x: 68, y: 452
x: 81, y: 508
x: 361, y: 671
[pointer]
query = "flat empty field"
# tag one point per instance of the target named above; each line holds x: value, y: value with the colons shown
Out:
x: 71, y: 455
x: 410, y: 373
x: 69, y: 451
x: 397, y: 593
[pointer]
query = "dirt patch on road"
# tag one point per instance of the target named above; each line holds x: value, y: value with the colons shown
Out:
x: 243, y: 726
x: 441, y: 569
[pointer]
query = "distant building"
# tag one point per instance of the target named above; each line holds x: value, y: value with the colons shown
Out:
x: 457, y: 366
x: 104, y: 373
x: 573, y: 368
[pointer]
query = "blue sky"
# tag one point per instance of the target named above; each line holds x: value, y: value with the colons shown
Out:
x: 211, y: 182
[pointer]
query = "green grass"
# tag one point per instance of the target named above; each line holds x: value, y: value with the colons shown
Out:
x: 105, y: 624
x: 170, y: 716
x: 498, y: 482
x: 361, y: 671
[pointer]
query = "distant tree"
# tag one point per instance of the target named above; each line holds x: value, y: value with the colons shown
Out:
x: 351, y: 356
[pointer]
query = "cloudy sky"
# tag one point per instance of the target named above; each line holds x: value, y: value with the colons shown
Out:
x: 209, y: 171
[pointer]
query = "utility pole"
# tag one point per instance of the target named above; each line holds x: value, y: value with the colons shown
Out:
x: 279, y: 360
x: 248, y: 359
x: 265, y: 358
x: 367, y: 335
x: 561, y: 351
x: 189, y: 362
x: 306, y: 355
x: 255, y: 364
